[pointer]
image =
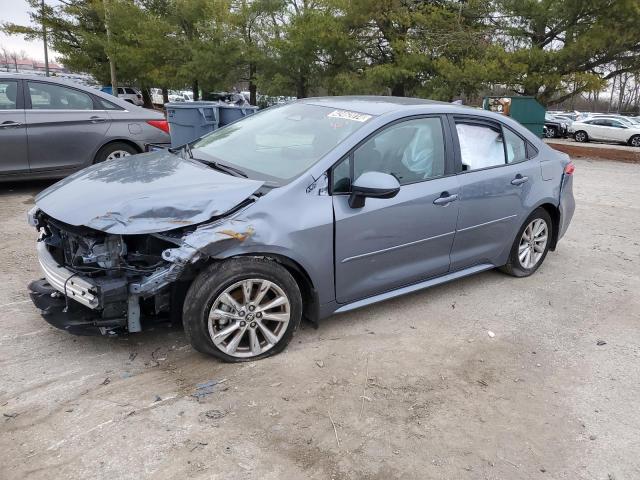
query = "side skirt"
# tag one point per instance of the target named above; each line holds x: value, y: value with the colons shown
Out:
x: 415, y: 287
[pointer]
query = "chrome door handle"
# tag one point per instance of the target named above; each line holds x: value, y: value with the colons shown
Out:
x: 445, y: 199
x: 97, y: 119
x: 519, y: 180
x: 9, y: 124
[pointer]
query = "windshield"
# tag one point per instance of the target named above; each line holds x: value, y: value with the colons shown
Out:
x: 283, y: 141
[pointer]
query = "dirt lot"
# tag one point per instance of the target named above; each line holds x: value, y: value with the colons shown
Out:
x: 411, y: 388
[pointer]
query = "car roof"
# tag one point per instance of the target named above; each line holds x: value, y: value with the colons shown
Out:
x: 371, y: 104
x: 63, y: 81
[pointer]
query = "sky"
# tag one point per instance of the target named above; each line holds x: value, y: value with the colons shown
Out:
x: 17, y: 11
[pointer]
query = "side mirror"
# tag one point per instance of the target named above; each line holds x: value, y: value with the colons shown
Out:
x: 374, y: 185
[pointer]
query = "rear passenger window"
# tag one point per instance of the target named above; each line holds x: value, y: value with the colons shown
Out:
x: 130, y: 91
x: 516, y: 147
x: 106, y: 105
x: 48, y: 96
x: 481, y: 146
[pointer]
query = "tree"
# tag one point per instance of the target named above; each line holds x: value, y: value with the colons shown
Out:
x: 557, y: 48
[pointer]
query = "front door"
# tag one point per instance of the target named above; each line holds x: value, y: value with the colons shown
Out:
x: 63, y: 127
x: 496, y: 178
x: 390, y: 243
x: 13, y: 134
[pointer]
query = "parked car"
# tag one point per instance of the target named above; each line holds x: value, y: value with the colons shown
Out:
x: 565, y: 118
x: 178, y: 97
x: 225, y: 97
x: 606, y: 129
x: 614, y: 116
x: 128, y: 94
x: 307, y: 209
x: 50, y: 128
x: 554, y: 127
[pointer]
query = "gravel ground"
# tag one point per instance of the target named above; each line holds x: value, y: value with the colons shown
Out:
x: 412, y: 388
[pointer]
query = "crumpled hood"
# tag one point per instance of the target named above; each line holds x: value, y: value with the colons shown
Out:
x: 151, y: 192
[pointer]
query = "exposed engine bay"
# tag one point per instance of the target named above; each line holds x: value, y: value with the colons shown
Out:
x: 122, y: 273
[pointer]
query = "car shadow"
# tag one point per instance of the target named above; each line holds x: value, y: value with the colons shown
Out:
x: 31, y: 187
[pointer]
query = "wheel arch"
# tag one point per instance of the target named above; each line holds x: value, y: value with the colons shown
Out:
x: 310, y: 299
x: 128, y: 141
x: 632, y: 137
x: 554, y: 213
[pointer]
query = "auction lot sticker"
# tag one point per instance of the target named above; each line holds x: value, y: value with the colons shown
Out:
x: 347, y: 115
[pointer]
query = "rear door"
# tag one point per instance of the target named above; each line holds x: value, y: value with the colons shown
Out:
x: 495, y: 179
x: 64, y: 126
x: 616, y: 130
x: 13, y: 134
x: 393, y: 242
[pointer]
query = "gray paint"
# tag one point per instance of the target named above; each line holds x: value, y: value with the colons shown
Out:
x: 389, y: 246
x: 150, y: 192
x: 54, y: 143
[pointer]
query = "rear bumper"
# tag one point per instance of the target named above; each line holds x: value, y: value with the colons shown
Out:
x: 567, y: 204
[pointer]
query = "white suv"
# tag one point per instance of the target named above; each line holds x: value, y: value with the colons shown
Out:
x: 131, y: 95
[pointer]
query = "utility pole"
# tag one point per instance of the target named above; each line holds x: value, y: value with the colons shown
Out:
x: 44, y: 39
x: 112, y: 63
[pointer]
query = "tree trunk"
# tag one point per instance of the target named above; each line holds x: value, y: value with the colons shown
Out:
x: 146, y: 98
x: 398, y: 90
x: 613, y: 89
x: 301, y: 88
x: 165, y: 95
x: 253, y: 100
x: 622, y: 88
x: 196, y: 90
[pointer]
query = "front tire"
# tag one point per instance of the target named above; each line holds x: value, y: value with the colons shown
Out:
x: 550, y: 132
x: 531, y: 245
x: 581, y: 136
x: 242, y: 309
x: 635, y: 141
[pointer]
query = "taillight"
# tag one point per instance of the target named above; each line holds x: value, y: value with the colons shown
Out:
x: 161, y: 124
x: 569, y: 168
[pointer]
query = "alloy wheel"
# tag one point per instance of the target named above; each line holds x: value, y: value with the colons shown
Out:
x: 117, y: 154
x: 249, y: 317
x: 635, y: 141
x: 581, y: 136
x: 533, y: 243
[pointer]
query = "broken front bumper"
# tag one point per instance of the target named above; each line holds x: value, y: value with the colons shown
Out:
x: 69, y: 315
x: 69, y: 300
x: 65, y: 281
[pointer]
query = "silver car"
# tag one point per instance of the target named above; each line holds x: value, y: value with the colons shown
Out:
x: 50, y: 128
x: 301, y: 211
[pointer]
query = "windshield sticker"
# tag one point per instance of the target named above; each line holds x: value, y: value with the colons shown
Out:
x: 347, y: 115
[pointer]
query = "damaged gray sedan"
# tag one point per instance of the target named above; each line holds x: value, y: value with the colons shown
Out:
x: 301, y: 211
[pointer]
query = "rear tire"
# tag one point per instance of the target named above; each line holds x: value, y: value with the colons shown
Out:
x: 530, y: 245
x: 635, y: 141
x: 581, y: 136
x: 208, y: 310
x: 114, y: 150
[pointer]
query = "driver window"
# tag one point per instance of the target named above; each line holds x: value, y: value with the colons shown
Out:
x: 412, y: 151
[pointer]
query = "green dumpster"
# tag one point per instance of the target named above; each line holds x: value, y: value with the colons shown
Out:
x: 525, y: 110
